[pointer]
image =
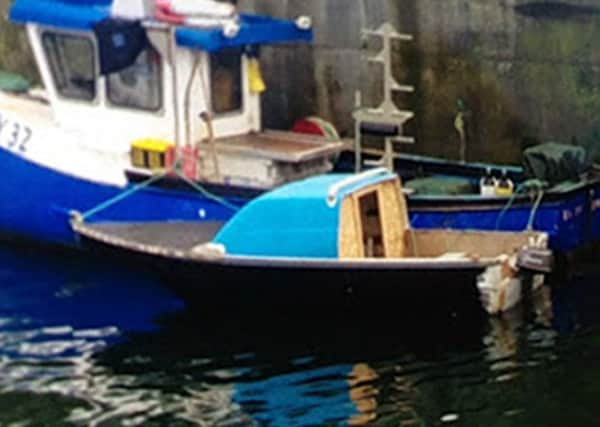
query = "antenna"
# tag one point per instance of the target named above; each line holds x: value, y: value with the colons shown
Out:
x: 386, y: 119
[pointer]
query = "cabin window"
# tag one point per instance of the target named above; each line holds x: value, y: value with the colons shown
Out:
x: 371, y: 225
x: 139, y: 85
x: 226, y: 81
x: 72, y: 64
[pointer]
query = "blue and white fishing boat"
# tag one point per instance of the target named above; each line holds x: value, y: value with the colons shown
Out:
x: 130, y: 97
x: 339, y: 233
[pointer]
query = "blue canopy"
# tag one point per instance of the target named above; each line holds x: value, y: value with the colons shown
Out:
x: 254, y: 29
x: 84, y: 14
x: 71, y: 14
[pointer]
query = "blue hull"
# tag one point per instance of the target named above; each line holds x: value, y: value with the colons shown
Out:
x: 35, y: 202
x: 570, y: 219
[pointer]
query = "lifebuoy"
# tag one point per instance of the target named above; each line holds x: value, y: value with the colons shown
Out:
x: 204, y: 15
x: 168, y: 17
x: 316, y: 126
x: 197, y: 8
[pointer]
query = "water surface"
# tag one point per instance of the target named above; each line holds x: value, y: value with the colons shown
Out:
x: 85, y: 341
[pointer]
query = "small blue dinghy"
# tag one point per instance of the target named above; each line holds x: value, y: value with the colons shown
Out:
x: 336, y: 233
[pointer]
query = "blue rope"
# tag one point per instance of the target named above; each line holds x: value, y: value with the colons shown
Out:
x: 206, y: 193
x: 121, y: 196
x: 135, y: 188
x: 506, y: 208
x: 534, y: 210
x: 532, y: 184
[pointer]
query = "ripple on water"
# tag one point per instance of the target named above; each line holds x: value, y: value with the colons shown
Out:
x: 73, y: 350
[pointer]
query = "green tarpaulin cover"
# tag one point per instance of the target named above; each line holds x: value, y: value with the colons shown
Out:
x: 440, y: 185
x: 554, y: 163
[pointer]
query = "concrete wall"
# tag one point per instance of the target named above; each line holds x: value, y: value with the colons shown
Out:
x: 526, y: 70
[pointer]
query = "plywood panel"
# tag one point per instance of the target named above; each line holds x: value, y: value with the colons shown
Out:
x: 473, y: 243
x: 394, y: 218
x: 350, y: 239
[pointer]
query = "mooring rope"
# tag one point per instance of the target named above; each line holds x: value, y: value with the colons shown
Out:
x: 123, y: 195
x: 505, y: 209
x: 529, y: 185
x: 536, y: 205
x: 206, y: 193
x: 153, y: 179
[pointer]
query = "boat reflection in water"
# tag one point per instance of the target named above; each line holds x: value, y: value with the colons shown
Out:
x: 88, y: 343
x: 505, y: 336
x: 57, y: 311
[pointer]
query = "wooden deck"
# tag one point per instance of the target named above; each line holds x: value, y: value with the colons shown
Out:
x: 174, y: 239
x: 278, y: 145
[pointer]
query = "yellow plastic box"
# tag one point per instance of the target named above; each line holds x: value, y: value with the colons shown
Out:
x: 150, y: 153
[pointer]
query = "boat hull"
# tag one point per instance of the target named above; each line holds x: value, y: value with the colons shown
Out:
x: 570, y: 218
x: 238, y: 283
x: 312, y: 286
x: 36, y: 202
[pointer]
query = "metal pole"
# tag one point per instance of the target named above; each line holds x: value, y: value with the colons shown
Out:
x: 357, y: 134
x: 174, y: 82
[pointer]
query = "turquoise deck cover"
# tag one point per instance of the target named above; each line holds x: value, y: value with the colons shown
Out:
x: 84, y: 14
x: 294, y: 220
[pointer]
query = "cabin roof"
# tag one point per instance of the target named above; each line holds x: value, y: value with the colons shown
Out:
x: 318, y: 187
x: 85, y: 14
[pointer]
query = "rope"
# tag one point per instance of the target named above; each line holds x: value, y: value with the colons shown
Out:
x: 506, y: 208
x: 135, y: 188
x: 205, y: 192
x: 536, y: 205
x: 123, y: 195
x: 529, y: 185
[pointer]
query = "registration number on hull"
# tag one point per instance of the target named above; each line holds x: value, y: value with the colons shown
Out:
x: 14, y: 135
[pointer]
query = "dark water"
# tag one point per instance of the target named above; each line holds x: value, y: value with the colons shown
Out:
x: 85, y: 342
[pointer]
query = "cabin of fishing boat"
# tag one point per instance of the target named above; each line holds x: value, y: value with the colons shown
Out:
x: 169, y: 84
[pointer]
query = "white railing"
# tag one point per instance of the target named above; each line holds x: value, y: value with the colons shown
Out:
x: 334, y: 189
